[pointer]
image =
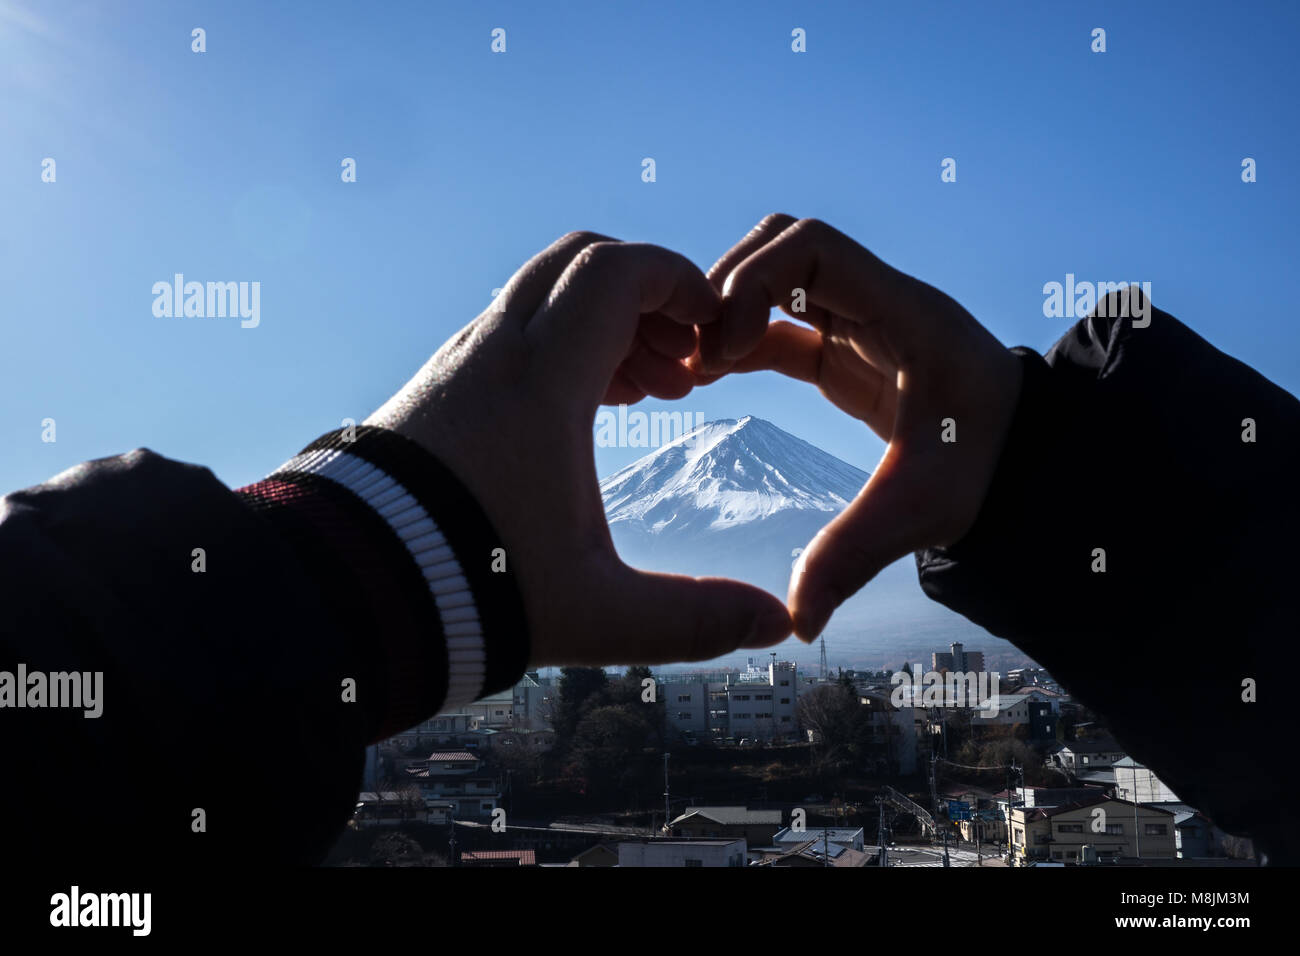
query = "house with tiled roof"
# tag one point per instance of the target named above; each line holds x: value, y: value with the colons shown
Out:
x: 457, y: 777
x: 498, y: 858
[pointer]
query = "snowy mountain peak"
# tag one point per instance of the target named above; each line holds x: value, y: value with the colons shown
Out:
x: 724, y: 474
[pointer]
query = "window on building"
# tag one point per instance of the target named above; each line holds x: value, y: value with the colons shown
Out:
x: 742, y: 697
x: 785, y: 683
x: 683, y: 698
x: 1084, y: 759
x: 1115, y: 828
x: 1156, y: 829
x: 1070, y: 828
x: 785, y: 700
x: 785, y: 720
x: 694, y: 863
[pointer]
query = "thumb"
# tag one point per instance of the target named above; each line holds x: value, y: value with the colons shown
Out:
x: 663, y: 618
x: 878, y: 527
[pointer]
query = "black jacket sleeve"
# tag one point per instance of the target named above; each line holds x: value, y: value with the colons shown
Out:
x: 1176, y: 465
x: 250, y: 644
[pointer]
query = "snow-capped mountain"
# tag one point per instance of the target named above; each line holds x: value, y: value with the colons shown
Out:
x: 740, y: 498
x: 724, y: 474
x: 737, y: 498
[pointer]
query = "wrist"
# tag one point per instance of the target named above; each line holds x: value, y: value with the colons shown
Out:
x: 418, y: 548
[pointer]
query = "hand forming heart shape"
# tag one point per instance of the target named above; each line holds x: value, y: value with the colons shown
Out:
x: 508, y: 404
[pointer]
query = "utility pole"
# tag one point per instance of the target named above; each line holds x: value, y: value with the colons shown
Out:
x: 1137, y: 833
x: 880, y: 836
x: 667, y: 818
x: 1010, y: 768
x: 451, y: 818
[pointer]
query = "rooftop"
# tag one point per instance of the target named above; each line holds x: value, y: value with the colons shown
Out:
x: 523, y: 857
x: 731, y: 816
x: 834, y: 834
x: 1092, y: 746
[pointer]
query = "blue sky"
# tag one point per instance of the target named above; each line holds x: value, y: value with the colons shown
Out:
x: 225, y: 166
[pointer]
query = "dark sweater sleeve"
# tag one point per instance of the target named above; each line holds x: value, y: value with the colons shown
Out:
x: 1176, y: 465
x: 250, y: 642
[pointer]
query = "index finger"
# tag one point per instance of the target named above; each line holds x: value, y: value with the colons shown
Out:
x: 588, y: 323
x: 808, y: 260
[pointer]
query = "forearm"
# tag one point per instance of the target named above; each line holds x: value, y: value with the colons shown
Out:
x: 251, y: 643
x: 1137, y: 547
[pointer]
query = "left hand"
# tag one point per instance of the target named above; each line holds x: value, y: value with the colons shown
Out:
x: 509, y: 403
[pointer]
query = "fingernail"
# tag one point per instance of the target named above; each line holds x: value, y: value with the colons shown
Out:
x: 813, y: 617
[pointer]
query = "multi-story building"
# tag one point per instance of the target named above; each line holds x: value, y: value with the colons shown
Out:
x: 493, y: 712
x: 893, y: 732
x: 457, y: 777
x: 1114, y: 829
x: 759, y: 704
x: 957, y: 659
x: 533, y: 700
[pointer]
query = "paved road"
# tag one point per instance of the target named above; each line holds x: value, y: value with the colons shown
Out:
x: 933, y: 856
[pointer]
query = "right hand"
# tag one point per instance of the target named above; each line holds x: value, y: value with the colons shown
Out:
x: 887, y: 349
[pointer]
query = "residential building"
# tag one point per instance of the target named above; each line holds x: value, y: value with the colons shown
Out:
x: 1115, y: 829
x: 1083, y: 755
x: 683, y: 853
x: 819, y: 853
x: 495, y: 711
x: 533, y: 700
x: 1133, y: 781
x: 386, y: 808
x: 457, y: 777
x: 757, y: 827
x: 785, y: 839
x: 893, y: 731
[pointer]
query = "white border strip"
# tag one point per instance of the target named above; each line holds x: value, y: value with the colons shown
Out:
x: 466, y: 651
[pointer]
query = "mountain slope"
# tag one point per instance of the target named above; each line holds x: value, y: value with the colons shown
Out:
x: 740, y: 498
x: 725, y: 474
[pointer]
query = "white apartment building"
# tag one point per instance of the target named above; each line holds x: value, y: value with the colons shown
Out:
x: 759, y: 705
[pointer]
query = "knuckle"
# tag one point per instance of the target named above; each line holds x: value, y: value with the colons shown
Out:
x: 580, y: 237
x: 815, y: 228
x: 773, y: 221
x: 597, y: 253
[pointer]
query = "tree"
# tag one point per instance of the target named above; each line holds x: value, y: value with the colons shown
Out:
x: 578, y: 685
x: 609, y: 750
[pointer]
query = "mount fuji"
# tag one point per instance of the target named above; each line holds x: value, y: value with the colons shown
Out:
x: 740, y: 498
